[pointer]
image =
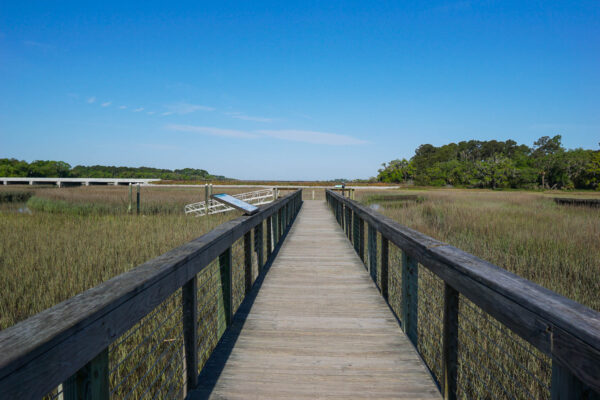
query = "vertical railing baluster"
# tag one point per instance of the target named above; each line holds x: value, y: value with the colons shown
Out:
x: 355, y: 235
x: 247, y: 262
x: 269, y: 237
x: 189, y: 300
x: 372, y: 252
x: 450, y: 342
x: 90, y: 382
x: 565, y: 385
x: 385, y: 259
x: 361, y: 239
x: 258, y: 245
x: 410, y: 300
x: 227, y: 292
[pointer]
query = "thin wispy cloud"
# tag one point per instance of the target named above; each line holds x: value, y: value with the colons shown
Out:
x: 167, y: 113
x: 244, y: 117
x: 106, y: 104
x: 39, y: 45
x: 186, y: 108
x: 139, y: 109
x: 212, y: 131
x: 122, y: 107
x: 150, y: 113
x: 91, y: 100
x: 314, y: 137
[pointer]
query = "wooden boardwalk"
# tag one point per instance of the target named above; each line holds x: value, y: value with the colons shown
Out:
x: 315, y: 327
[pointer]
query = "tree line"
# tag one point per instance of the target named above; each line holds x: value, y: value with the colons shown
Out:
x: 497, y: 164
x: 10, y: 167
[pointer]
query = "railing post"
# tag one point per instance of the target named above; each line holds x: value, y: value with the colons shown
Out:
x: 258, y: 245
x: 269, y: 237
x: 372, y: 252
x: 355, y: 234
x: 410, y: 300
x: 279, y: 225
x: 385, y: 259
x: 450, y: 341
x: 90, y: 382
x: 566, y: 386
x: 189, y: 300
x: 225, y: 271
x: 361, y: 239
x: 247, y: 262
x: 348, y: 222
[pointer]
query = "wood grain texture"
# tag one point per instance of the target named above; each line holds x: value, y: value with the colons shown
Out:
x: 43, y: 351
x: 315, y: 327
x: 531, y: 311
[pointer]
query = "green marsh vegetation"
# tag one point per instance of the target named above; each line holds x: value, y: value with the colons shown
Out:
x: 526, y: 233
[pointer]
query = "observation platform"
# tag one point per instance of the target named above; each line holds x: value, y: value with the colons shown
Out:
x: 315, y: 327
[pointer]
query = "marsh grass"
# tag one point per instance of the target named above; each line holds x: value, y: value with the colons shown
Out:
x: 555, y: 246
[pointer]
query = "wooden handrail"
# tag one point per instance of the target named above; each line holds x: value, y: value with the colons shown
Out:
x: 561, y: 328
x: 38, y: 354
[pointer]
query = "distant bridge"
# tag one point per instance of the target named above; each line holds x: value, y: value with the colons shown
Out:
x: 76, y: 181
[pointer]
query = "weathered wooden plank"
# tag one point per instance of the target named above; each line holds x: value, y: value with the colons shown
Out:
x: 73, y: 332
x: 528, y: 309
x: 317, y: 328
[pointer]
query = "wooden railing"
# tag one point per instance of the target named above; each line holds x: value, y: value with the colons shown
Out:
x: 147, y: 331
x: 551, y: 348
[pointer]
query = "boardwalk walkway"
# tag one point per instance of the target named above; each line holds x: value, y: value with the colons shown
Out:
x: 315, y: 327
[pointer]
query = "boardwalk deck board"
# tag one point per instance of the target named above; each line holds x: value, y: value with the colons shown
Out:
x: 317, y: 328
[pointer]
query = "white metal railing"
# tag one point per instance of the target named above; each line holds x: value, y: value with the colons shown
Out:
x: 214, y: 207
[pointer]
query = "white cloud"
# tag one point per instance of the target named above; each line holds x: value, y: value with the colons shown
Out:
x: 186, y: 108
x: 313, y: 137
x: 244, y: 117
x: 91, y: 99
x: 139, y: 109
x: 123, y: 107
x: 106, y: 104
x: 211, y: 131
x: 167, y: 113
x: 40, y: 45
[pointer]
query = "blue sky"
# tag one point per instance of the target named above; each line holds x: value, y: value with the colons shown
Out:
x: 291, y: 90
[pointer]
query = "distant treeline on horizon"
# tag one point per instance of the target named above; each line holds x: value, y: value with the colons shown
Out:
x: 496, y: 164
x: 10, y: 167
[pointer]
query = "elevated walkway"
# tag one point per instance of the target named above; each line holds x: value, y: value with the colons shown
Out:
x: 315, y: 327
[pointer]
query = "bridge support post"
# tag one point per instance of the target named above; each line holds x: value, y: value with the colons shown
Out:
x: 385, y: 260
x: 258, y: 245
x: 189, y: 300
x: 90, y: 382
x: 225, y: 272
x: 372, y: 253
x: 450, y: 342
x: 410, y: 299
